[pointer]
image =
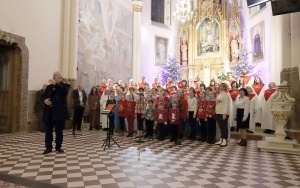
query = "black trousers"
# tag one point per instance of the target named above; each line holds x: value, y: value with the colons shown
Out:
x: 193, y: 124
x: 140, y: 122
x: 203, y: 128
x: 122, y: 123
x: 149, y: 128
x: 77, y: 117
x: 174, y: 132
x: 50, y: 125
x: 211, y: 129
x: 223, y: 125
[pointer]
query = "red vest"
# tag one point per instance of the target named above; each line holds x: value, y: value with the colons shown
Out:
x: 234, y: 93
x: 122, y: 108
x: 257, y: 88
x: 161, y: 116
x: 211, y: 109
x: 246, y: 78
x: 174, y: 116
x: 251, y: 95
x: 201, y: 114
x: 268, y: 93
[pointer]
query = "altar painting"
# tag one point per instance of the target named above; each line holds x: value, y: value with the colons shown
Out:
x: 208, y: 38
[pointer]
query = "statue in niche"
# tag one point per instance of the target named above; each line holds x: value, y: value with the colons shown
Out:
x: 184, y: 49
x: 234, y: 49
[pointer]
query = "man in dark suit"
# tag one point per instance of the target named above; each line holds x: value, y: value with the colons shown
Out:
x: 79, y: 102
x: 55, y: 111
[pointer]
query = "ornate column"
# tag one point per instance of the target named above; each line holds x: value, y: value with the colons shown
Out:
x: 295, y: 36
x: 281, y: 106
x: 136, y: 41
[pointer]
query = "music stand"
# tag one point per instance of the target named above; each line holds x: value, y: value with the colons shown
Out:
x: 109, y: 141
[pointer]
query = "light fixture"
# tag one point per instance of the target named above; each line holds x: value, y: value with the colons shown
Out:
x: 183, y: 12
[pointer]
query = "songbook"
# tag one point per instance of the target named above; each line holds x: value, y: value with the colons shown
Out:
x: 108, y: 109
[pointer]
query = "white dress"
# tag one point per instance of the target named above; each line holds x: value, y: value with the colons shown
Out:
x: 267, y: 122
x: 103, y: 118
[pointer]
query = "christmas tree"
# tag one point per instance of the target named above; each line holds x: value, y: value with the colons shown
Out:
x: 171, y: 69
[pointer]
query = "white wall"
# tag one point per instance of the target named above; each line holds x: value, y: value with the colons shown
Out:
x: 39, y: 21
x: 148, y: 33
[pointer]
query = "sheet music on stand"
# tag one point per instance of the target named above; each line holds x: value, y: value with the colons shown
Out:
x: 108, y: 109
x: 109, y: 141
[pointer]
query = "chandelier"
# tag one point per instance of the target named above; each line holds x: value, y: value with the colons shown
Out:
x: 7, y: 37
x: 184, y: 11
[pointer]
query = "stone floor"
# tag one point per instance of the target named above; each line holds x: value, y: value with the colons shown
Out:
x: 147, y: 164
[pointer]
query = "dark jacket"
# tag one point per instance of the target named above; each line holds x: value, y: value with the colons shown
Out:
x: 39, y: 102
x: 58, y: 95
x: 76, y: 98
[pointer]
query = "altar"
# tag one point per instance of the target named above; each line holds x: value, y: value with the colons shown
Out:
x: 211, y: 37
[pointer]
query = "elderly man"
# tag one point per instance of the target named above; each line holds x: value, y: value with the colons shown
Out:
x: 55, y: 111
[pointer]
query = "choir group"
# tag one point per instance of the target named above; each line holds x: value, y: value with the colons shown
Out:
x: 180, y: 110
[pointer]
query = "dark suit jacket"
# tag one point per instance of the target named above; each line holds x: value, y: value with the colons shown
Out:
x: 58, y: 95
x: 76, y: 97
x: 39, y: 102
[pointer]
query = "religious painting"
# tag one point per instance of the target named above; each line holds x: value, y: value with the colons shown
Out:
x: 257, y: 40
x: 104, y: 42
x: 208, y: 38
x: 161, y: 50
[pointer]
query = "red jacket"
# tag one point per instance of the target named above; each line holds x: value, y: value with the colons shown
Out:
x: 122, y: 108
x: 130, y: 110
x: 162, y: 100
x: 184, y: 108
x: 174, y: 116
x: 161, y: 115
x: 211, y: 109
x: 201, y: 114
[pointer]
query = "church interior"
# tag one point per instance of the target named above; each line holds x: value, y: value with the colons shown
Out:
x: 138, y: 51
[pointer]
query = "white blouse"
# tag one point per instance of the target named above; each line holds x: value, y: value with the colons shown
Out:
x: 192, y: 104
x: 242, y: 103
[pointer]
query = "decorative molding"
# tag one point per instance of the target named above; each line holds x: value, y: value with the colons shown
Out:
x: 137, y: 8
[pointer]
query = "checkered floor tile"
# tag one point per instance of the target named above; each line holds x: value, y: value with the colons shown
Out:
x: 148, y: 164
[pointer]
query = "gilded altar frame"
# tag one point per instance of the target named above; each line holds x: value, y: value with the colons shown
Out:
x: 207, y: 65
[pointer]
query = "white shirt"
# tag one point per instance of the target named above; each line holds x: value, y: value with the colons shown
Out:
x: 242, y: 103
x: 222, y: 103
x: 80, y: 95
x: 192, y: 104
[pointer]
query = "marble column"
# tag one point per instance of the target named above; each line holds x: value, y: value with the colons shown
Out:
x: 70, y: 38
x: 295, y: 35
x: 136, y: 41
x: 69, y: 48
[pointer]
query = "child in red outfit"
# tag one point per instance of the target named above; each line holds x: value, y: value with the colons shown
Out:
x: 161, y: 120
x: 122, y: 103
x: 211, y: 121
x: 174, y: 122
x: 202, y: 116
x: 130, y: 114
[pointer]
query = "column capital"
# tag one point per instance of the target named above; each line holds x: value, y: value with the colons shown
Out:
x: 137, y: 6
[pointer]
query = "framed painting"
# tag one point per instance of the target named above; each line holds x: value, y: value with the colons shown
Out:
x: 161, y: 50
x: 257, y: 40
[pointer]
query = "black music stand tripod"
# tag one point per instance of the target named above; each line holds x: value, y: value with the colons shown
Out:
x: 109, y: 141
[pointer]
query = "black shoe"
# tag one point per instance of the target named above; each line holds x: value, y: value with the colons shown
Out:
x: 47, y: 151
x: 91, y: 128
x: 79, y: 130
x: 60, y: 151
